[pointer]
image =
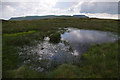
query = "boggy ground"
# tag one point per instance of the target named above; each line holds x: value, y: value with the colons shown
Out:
x: 100, y: 61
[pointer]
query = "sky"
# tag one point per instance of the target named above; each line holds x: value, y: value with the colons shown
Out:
x: 107, y: 9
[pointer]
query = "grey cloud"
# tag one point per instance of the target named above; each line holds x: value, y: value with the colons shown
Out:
x: 12, y: 4
x: 100, y: 7
x: 119, y: 7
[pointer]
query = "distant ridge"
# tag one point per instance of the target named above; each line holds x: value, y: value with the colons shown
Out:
x: 44, y: 17
x: 81, y: 16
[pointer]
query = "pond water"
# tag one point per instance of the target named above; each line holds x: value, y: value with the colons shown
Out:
x: 74, y: 42
x: 81, y: 39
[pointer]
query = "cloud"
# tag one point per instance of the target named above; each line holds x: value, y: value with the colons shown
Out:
x: 11, y: 9
x: 107, y: 10
x: 99, y: 7
x: 15, y: 8
x: 61, y: 0
x: 103, y: 15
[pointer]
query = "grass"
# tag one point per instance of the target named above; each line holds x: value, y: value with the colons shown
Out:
x: 99, y: 62
x: 55, y: 38
x: 20, y: 33
x: 54, y: 24
x: 23, y: 72
x: 65, y: 71
x: 102, y: 61
x: 10, y: 58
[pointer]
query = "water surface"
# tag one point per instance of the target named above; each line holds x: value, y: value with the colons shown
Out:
x: 81, y: 39
x: 74, y: 42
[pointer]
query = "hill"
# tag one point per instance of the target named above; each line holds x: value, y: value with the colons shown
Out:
x: 44, y: 17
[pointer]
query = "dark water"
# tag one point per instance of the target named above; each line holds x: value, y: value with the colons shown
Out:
x: 74, y: 42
